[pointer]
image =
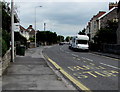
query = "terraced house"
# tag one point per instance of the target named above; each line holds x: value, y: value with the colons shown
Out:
x: 100, y: 20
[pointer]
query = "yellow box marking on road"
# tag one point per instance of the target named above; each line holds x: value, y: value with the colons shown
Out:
x: 71, y: 68
x: 90, y: 73
x: 77, y: 83
x: 85, y: 67
x: 95, y: 74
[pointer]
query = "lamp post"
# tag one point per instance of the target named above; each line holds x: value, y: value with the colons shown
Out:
x: 35, y: 23
x: 12, y: 30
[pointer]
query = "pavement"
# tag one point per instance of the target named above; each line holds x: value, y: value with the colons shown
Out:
x: 107, y: 54
x: 32, y: 72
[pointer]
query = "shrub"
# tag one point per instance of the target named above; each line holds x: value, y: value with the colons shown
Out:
x: 4, y: 47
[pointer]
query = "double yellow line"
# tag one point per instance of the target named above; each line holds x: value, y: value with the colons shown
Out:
x: 77, y: 83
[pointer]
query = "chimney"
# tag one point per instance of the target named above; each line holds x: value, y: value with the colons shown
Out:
x: 112, y: 4
x: 30, y: 26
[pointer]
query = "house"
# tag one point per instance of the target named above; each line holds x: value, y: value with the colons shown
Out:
x: 24, y: 32
x: 100, y: 20
x: 88, y: 30
x: 31, y: 31
x: 111, y: 15
x: 92, y: 26
x: 27, y: 33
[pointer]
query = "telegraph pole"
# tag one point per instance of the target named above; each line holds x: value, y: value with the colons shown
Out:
x: 44, y: 26
x: 12, y: 31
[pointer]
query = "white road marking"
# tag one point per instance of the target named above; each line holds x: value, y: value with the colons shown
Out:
x: 67, y: 52
x: 78, y: 59
x: 88, y: 59
x: 110, y: 66
x: 75, y: 55
x: 61, y: 49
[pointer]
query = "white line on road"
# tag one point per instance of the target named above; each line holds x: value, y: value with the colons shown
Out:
x: 110, y: 66
x: 61, y: 49
x: 67, y: 52
x: 87, y: 59
x: 75, y: 55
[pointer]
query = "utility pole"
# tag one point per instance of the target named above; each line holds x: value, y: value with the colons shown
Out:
x: 44, y: 26
x: 12, y: 31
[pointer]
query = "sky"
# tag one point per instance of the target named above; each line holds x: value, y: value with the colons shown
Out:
x: 65, y: 17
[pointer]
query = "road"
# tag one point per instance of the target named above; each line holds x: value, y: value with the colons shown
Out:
x: 95, y: 72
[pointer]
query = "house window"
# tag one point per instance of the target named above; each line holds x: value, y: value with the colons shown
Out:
x: 30, y: 29
x: 115, y: 20
x: 21, y: 31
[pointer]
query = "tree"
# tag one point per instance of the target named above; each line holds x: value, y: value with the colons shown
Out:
x: 60, y: 38
x: 46, y: 36
x: 68, y: 38
x: 32, y: 39
x: 107, y: 34
x: 5, y: 27
x: 82, y: 32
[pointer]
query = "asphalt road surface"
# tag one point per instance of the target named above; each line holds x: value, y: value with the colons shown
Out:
x: 98, y: 73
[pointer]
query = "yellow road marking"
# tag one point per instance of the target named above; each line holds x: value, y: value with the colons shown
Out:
x: 77, y: 83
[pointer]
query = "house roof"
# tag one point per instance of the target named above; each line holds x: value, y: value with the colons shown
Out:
x: 22, y: 28
x: 32, y: 32
x: 100, y: 14
x: 107, y: 12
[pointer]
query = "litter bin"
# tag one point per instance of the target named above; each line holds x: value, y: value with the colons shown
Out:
x: 22, y: 50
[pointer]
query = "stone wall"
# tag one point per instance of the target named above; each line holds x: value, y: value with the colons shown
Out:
x: 111, y: 48
x: 5, y: 61
x: 110, y: 16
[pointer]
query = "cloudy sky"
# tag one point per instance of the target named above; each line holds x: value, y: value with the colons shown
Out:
x: 65, y: 17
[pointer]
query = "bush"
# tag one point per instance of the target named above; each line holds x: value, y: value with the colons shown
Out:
x: 32, y: 39
x: 6, y: 37
x: 4, y: 47
x: 4, y: 42
x: 0, y: 47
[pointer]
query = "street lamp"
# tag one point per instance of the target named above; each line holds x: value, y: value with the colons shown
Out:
x: 35, y: 23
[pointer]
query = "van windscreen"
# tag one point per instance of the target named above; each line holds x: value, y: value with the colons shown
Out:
x: 82, y: 41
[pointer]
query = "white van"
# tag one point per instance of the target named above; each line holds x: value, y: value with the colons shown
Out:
x: 79, y: 42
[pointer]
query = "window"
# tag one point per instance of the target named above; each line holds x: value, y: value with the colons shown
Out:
x: 115, y: 20
x: 82, y: 41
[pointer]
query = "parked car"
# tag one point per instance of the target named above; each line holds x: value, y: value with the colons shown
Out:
x: 61, y: 43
